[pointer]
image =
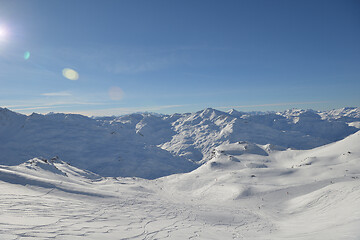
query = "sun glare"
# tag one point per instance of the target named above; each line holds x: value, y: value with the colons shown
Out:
x: 3, y: 33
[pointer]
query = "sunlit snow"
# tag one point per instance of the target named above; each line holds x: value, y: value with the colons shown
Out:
x: 242, y: 190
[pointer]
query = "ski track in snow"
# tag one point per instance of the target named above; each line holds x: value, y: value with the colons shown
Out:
x: 138, y: 216
x: 50, y: 214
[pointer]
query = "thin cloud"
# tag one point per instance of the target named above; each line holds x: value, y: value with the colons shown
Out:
x: 66, y: 106
x: 26, y: 107
x: 35, y: 108
x: 138, y: 66
x: 56, y: 94
x: 273, y: 104
x: 127, y: 110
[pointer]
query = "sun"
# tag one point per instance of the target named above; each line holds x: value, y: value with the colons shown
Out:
x: 3, y: 33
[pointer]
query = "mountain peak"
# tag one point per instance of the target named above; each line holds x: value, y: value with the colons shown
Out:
x: 6, y: 114
x: 44, y: 164
x: 235, y: 113
x: 210, y: 113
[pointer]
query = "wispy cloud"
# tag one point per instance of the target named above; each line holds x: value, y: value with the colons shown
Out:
x: 37, y: 106
x: 138, y: 67
x: 273, y: 104
x: 127, y: 110
x: 56, y: 94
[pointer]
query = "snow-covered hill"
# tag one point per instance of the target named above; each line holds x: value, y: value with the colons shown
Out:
x: 292, y: 194
x: 150, y: 146
x: 245, y: 191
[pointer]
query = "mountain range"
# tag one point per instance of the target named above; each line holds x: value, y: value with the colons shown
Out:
x: 153, y: 145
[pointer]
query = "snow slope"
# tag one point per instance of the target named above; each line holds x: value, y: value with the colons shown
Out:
x: 308, y: 194
x: 245, y: 191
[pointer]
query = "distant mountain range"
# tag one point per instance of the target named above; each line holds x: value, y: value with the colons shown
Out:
x: 152, y: 145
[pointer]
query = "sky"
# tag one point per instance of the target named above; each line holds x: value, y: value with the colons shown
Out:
x: 115, y: 57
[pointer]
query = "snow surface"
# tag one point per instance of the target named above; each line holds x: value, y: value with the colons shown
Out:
x: 244, y: 191
x: 355, y: 124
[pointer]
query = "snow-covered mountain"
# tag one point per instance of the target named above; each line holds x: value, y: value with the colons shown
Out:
x: 345, y: 114
x: 150, y: 146
x: 107, y: 149
x: 194, y: 135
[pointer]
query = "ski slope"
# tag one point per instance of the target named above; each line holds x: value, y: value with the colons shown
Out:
x: 244, y: 191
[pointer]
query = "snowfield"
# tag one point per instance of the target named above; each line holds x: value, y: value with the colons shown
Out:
x: 243, y: 191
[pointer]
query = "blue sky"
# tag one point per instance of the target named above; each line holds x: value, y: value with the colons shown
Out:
x: 178, y: 56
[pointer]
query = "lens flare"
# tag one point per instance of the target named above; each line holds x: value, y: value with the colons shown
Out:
x: 70, y: 74
x: 116, y: 93
x: 26, y: 55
